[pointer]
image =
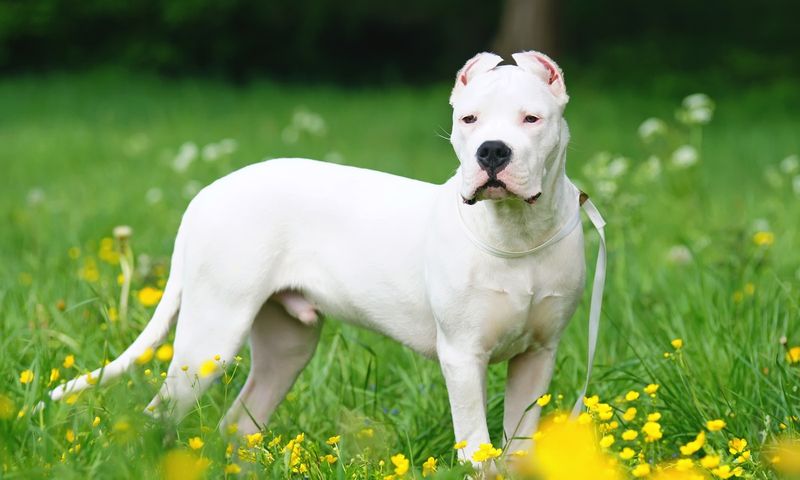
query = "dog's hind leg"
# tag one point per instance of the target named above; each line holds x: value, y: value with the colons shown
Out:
x: 210, y: 332
x: 281, y: 346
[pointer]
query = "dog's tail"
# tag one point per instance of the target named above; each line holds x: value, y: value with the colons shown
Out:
x: 154, y: 333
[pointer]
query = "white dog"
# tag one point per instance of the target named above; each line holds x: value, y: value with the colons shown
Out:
x: 485, y: 268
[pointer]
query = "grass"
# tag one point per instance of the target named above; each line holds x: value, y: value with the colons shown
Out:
x: 82, y: 153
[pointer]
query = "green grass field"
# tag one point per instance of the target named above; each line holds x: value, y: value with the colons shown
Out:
x: 706, y: 253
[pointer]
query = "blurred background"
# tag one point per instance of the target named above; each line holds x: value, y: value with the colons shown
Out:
x: 410, y: 41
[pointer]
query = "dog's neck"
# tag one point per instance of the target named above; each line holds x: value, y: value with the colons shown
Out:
x: 514, y: 225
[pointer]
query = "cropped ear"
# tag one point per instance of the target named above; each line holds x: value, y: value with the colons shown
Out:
x: 545, y: 68
x: 480, y: 63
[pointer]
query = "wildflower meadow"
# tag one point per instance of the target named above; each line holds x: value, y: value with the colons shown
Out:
x: 698, y: 364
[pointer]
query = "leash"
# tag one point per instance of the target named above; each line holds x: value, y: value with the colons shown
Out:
x: 598, y: 284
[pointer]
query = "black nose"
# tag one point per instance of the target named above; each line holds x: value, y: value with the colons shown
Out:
x: 493, y: 156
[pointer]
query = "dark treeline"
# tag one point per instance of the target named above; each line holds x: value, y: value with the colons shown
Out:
x: 409, y: 40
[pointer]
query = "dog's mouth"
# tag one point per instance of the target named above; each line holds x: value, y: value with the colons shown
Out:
x: 494, y: 189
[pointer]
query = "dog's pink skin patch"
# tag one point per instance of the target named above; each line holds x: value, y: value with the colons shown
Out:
x: 297, y: 306
x: 550, y: 68
x: 464, y: 77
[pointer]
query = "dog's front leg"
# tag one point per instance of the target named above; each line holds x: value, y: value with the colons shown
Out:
x: 465, y: 375
x: 529, y: 375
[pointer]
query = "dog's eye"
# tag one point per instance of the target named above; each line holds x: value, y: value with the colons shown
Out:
x: 469, y: 119
x: 531, y: 119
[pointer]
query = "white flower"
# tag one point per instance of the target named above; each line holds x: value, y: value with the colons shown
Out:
x: 191, y: 188
x: 227, y: 146
x: 790, y: 164
x: 618, y: 167
x: 35, y: 196
x: 606, y: 188
x: 697, y: 109
x: 186, y: 155
x: 153, y: 195
x: 697, y: 100
x: 333, y: 157
x: 651, y: 128
x: 760, y: 225
x: 290, y: 134
x: 700, y: 116
x: 679, y: 255
x: 210, y: 152
x: 651, y: 168
x: 685, y: 156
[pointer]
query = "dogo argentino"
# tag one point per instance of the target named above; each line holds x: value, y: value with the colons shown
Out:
x: 487, y: 267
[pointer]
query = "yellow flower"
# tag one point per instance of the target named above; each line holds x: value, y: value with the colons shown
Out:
x: 232, y: 428
x: 694, y: 445
x: 164, y: 353
x: 677, y: 343
x: 651, y: 389
x: 749, y: 288
x: 710, y: 461
x: 207, y: 368
x: 569, y: 450
x: 183, y: 465
x: 630, y: 435
x: 71, y: 399
x: 654, y: 417
x: 254, y: 439
x: 275, y: 441
x: 233, y: 469
x: 26, y: 376
x: 585, y: 418
x: 745, y: 456
x: 69, y: 361
x: 486, y: 452
x: 591, y: 402
x: 96, y: 422
x: 723, y: 471
x: 149, y: 296
x: 145, y: 357
x: 632, y: 395
x: 90, y: 379
x: 400, y: 463
x: 334, y: 440
x: 460, y: 445
x: 764, y: 239
x: 793, y: 355
x: 737, y: 445
x: 196, y: 443
x: 629, y: 415
x: 684, y: 464
x: 113, y: 314
x: 429, y: 467
x: 366, y: 433
x: 70, y: 435
x: 54, y: 375
x: 652, y: 431
x: 607, y: 441
x: 604, y: 411
x: 626, y: 453
x: 641, y: 470
x: 330, y: 459
x: 544, y: 400
x: 715, y: 425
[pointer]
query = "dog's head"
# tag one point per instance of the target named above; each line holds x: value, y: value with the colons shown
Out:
x: 507, y: 125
